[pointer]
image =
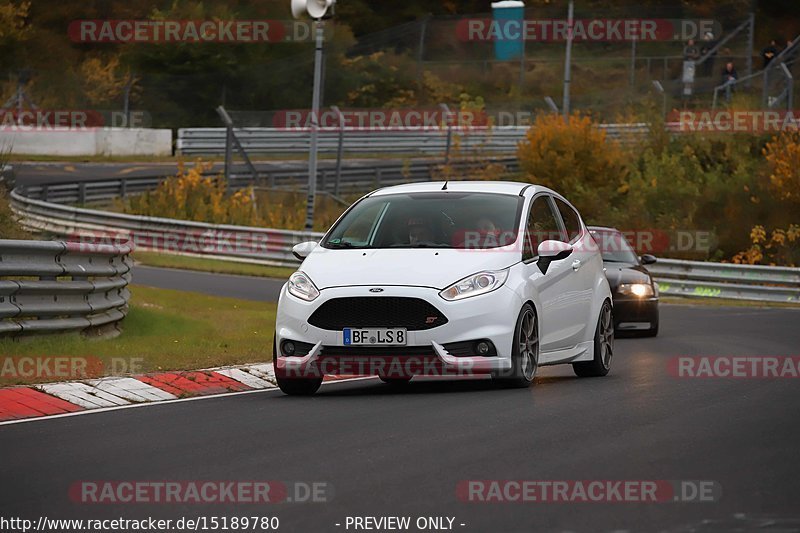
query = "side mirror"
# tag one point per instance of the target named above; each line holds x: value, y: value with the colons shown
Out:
x: 302, y: 250
x: 648, y: 259
x: 550, y: 251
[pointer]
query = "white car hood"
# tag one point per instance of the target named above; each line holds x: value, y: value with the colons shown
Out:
x: 422, y: 267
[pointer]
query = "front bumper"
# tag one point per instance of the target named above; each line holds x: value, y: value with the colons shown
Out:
x: 490, y: 316
x: 632, y: 314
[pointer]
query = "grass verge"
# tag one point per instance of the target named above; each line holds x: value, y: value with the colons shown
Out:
x: 215, y: 266
x: 723, y: 302
x: 164, y: 330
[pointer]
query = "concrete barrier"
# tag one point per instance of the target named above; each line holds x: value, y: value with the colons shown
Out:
x: 87, y: 142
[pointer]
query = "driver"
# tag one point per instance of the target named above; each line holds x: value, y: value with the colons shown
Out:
x: 419, y: 232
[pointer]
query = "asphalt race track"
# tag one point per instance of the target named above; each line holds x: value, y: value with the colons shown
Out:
x: 401, y: 452
x: 232, y: 286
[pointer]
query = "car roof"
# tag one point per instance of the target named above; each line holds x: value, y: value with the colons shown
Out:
x: 499, y: 187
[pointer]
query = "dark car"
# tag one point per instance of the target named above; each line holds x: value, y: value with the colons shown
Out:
x: 633, y: 290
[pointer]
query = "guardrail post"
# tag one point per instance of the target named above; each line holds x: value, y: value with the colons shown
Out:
x: 82, y: 193
x: 123, y: 188
x: 45, y: 194
x: 322, y: 179
x: 378, y: 177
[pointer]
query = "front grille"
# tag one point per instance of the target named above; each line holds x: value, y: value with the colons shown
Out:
x: 377, y: 312
x: 378, y: 351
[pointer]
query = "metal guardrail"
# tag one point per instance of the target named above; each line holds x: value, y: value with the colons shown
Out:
x: 218, y: 241
x: 49, y: 287
x: 361, y: 177
x: 501, y: 139
x: 725, y: 280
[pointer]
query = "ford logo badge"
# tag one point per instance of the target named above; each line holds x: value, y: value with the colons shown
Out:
x: 376, y: 289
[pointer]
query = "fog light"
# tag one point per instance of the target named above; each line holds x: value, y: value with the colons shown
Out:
x: 482, y: 348
x: 288, y: 348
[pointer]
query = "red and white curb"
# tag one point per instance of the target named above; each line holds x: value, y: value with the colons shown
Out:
x: 71, y: 397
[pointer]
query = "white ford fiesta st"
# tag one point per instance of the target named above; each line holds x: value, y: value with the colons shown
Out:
x: 443, y: 278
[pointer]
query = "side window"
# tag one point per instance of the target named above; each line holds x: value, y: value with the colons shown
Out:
x: 571, y: 220
x: 541, y: 226
x: 359, y: 231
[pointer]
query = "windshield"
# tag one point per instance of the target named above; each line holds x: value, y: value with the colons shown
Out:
x: 614, y: 247
x: 432, y: 219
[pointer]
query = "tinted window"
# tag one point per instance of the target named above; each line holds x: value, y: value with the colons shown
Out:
x: 541, y: 226
x: 571, y: 220
x: 431, y: 219
x: 614, y: 247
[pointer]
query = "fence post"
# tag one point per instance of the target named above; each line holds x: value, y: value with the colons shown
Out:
x: 228, y: 154
x: 750, y: 37
x: 449, y: 132
x: 339, y: 149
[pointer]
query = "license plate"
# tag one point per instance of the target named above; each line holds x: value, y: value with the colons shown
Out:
x: 374, y: 336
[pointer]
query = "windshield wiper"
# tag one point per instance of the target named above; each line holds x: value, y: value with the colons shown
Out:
x: 343, y: 244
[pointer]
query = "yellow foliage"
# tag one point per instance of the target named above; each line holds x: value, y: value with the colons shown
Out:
x: 782, y: 154
x: 13, y: 24
x: 190, y: 195
x: 102, y: 80
x: 576, y: 159
x: 781, y: 248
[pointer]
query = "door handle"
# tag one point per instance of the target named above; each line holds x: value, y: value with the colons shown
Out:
x: 576, y: 265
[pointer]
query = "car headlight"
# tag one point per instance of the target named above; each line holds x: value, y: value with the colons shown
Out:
x: 640, y: 290
x: 300, y: 285
x: 476, y: 284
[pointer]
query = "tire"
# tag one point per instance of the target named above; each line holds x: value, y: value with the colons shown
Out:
x: 603, y: 346
x: 299, y: 386
x: 524, y: 352
x: 293, y: 386
x: 396, y: 382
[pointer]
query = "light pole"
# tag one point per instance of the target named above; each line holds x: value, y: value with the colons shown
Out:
x: 568, y: 60
x: 316, y: 9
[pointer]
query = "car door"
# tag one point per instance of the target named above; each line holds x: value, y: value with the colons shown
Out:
x: 558, y: 320
x: 585, y: 264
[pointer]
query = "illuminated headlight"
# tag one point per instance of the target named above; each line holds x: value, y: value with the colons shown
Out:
x: 300, y: 285
x: 476, y: 284
x: 641, y: 290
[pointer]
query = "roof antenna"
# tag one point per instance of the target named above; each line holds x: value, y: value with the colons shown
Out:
x: 444, y: 187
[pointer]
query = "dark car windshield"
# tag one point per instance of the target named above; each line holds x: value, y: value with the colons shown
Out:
x: 431, y: 219
x: 614, y: 247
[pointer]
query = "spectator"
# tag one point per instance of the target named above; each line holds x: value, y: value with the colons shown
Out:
x: 790, y: 57
x: 768, y: 53
x: 691, y: 51
x: 729, y: 77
